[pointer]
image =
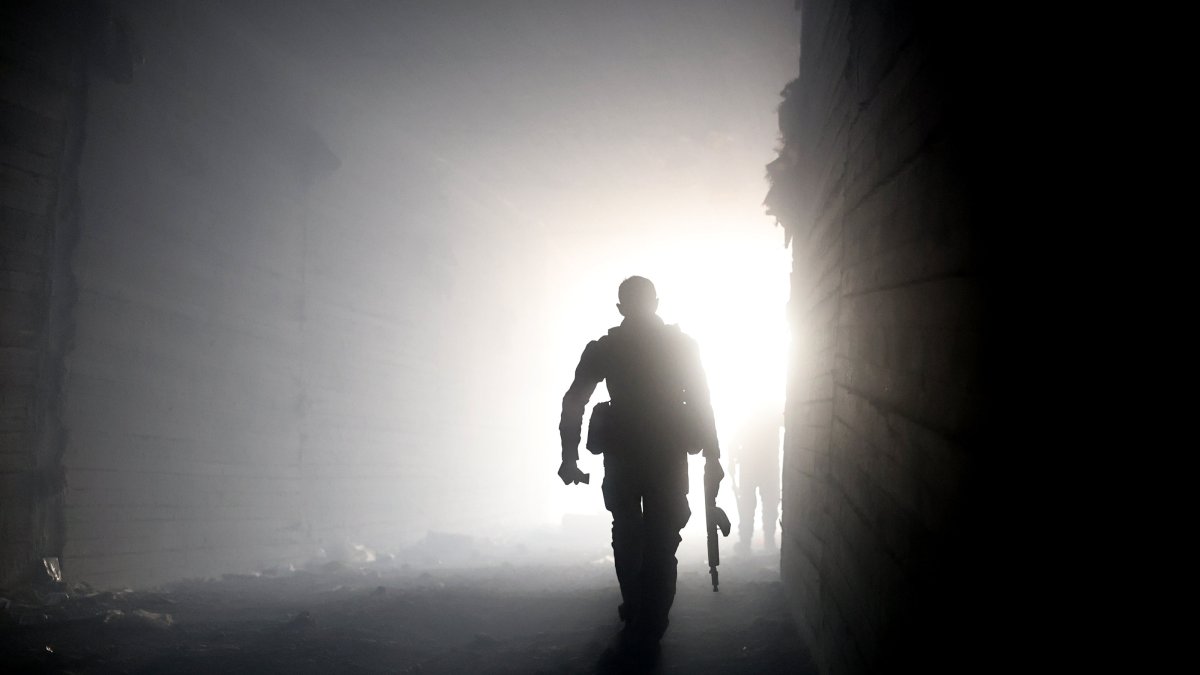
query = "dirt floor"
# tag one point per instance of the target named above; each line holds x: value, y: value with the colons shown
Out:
x: 338, y: 618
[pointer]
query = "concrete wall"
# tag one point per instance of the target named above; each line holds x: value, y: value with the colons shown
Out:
x: 41, y: 113
x: 888, y: 390
x: 240, y: 305
x: 184, y: 383
x: 247, y: 374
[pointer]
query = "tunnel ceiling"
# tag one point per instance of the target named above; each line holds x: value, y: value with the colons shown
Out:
x: 539, y: 103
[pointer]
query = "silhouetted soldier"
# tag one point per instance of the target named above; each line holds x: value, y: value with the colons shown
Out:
x: 660, y: 411
x: 756, y: 469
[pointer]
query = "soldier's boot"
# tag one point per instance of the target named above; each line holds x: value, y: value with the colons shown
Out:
x: 631, y: 652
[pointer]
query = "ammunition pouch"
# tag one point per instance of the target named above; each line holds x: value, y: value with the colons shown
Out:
x: 600, y: 428
x: 686, y: 430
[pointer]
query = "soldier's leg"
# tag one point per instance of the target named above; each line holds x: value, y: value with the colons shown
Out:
x: 666, y: 512
x: 745, y: 503
x: 770, y: 508
x: 627, y: 540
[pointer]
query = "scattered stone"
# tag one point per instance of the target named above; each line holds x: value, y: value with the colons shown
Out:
x: 52, y: 569
x: 484, y: 641
x: 236, y: 577
x: 139, y: 617
x: 56, y: 598
x: 33, y: 619
x: 302, y: 620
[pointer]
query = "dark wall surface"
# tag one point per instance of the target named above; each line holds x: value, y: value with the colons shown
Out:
x: 42, y: 86
x: 890, y: 536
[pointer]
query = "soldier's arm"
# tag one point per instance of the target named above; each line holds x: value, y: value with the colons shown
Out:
x: 587, y: 375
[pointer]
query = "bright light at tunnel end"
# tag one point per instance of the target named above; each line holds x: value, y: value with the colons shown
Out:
x: 727, y: 289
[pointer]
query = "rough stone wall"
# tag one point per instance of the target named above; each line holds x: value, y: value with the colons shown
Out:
x: 41, y: 99
x: 886, y: 400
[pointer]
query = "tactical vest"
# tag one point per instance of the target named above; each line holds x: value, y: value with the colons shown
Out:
x: 648, y: 369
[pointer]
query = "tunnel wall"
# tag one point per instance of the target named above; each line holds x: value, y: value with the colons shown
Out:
x: 184, y: 383
x: 886, y: 401
x: 233, y: 337
x: 378, y: 428
x: 41, y: 96
x: 247, y: 375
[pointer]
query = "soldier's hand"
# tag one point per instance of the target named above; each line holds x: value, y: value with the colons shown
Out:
x: 570, y: 474
x: 712, y: 469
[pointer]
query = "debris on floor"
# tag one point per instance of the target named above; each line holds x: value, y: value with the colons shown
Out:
x: 368, y: 619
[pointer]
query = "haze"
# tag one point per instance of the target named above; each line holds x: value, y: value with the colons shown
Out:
x: 476, y: 179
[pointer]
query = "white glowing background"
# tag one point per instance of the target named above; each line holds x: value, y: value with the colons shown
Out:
x: 725, y: 284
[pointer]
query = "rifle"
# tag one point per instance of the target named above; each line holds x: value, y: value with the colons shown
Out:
x: 714, y: 519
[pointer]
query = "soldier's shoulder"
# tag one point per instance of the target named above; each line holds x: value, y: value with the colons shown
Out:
x: 613, y: 335
x: 601, y: 343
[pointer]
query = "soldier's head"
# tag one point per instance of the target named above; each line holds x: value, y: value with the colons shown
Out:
x: 637, y: 297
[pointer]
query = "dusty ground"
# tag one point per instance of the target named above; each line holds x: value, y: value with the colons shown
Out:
x: 342, y: 619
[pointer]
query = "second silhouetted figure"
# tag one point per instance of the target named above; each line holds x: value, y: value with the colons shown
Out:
x: 659, y: 412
